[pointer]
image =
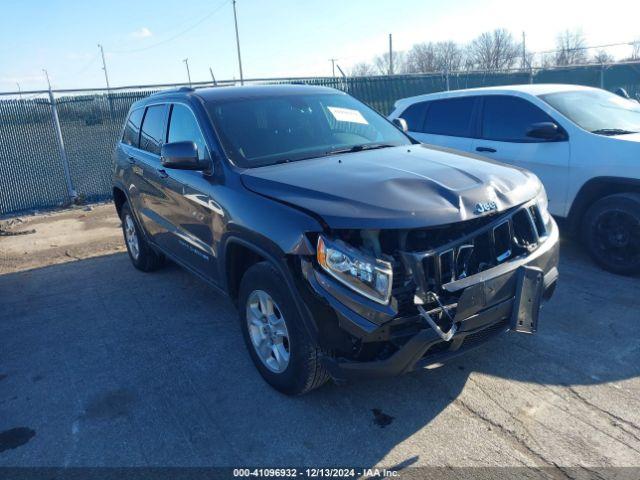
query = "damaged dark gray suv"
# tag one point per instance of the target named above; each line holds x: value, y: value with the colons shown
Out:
x: 350, y: 250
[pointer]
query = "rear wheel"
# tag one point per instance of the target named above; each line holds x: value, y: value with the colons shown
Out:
x: 612, y: 232
x: 274, y: 334
x: 141, y: 253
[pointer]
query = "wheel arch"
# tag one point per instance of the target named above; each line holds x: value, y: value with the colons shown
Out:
x: 595, y: 189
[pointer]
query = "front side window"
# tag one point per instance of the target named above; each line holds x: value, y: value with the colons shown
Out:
x: 267, y: 130
x: 450, y: 117
x: 153, y: 129
x: 414, y: 116
x: 183, y: 126
x: 131, y: 133
x: 597, y: 111
x: 508, y: 119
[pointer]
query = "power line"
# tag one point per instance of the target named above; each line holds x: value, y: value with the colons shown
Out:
x: 177, y: 35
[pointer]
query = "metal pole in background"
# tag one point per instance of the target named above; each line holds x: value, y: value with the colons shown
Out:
x: 215, y: 84
x: 19, y: 91
x: 344, y: 78
x: 104, y: 67
x: 524, y: 51
x: 186, y: 62
x: 71, y: 191
x: 390, y: 54
x: 235, y: 21
x: 333, y: 66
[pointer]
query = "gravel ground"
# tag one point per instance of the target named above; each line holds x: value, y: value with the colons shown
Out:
x: 102, y: 365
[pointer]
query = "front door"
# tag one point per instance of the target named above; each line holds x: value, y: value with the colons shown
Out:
x: 505, y: 121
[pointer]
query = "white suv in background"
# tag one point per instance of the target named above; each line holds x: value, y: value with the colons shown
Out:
x: 582, y: 142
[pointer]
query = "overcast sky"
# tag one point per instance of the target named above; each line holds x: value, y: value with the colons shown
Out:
x: 145, y: 41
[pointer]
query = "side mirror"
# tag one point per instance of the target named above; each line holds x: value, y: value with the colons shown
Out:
x: 545, y: 131
x: 182, y: 156
x: 401, y: 123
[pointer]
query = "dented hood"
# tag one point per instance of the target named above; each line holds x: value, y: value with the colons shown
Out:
x: 400, y: 187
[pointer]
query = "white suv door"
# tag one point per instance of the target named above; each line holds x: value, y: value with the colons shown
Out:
x: 504, y: 123
x: 446, y: 122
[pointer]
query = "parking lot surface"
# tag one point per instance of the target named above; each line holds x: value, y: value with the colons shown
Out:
x: 102, y: 365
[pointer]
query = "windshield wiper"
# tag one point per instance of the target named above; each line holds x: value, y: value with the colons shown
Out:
x: 359, y: 148
x: 612, y: 131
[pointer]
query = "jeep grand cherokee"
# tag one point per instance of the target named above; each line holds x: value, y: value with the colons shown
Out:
x: 350, y: 250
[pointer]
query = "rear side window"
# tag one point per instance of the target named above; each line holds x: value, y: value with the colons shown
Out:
x: 508, y: 119
x: 131, y: 133
x: 414, y: 116
x: 153, y: 129
x: 450, y: 117
x: 183, y: 126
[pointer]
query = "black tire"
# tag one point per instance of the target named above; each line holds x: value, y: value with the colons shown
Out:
x: 611, y: 229
x: 304, y: 371
x: 146, y: 259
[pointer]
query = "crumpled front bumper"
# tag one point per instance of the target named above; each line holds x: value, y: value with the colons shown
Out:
x: 484, y: 311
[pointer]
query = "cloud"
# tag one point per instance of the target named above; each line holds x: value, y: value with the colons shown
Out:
x: 142, y: 32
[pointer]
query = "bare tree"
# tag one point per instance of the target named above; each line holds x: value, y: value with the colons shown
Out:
x: 635, y: 52
x: 602, y: 56
x: 421, y: 58
x: 570, y: 48
x: 362, y: 69
x: 493, y: 51
x: 449, y: 56
x: 381, y: 63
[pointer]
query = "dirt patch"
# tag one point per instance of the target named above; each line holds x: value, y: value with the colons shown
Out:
x: 33, y: 241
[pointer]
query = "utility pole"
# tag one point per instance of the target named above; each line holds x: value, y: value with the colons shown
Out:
x: 19, y: 91
x: 186, y: 62
x: 46, y: 74
x: 524, y: 50
x: 104, y: 66
x: 215, y: 84
x: 333, y: 66
x: 390, y: 54
x: 235, y: 21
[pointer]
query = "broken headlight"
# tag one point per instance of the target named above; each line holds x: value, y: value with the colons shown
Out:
x: 370, y: 277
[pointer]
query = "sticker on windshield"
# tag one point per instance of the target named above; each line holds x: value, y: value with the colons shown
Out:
x: 347, y: 115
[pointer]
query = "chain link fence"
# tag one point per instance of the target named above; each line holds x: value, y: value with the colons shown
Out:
x: 56, y: 146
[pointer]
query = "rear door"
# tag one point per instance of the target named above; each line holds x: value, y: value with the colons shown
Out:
x: 504, y: 122
x: 150, y: 174
x: 447, y: 122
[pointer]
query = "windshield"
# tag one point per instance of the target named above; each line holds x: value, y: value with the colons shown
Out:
x: 263, y: 131
x: 597, y: 111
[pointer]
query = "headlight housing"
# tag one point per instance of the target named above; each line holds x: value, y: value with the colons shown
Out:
x: 370, y: 277
x: 543, y: 205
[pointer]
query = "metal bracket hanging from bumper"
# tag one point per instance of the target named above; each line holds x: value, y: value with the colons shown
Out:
x: 446, y: 336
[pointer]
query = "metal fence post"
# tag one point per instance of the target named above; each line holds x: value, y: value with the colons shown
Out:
x: 602, y: 76
x: 71, y: 191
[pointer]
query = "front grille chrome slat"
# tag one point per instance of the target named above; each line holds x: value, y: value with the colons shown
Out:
x: 512, y: 235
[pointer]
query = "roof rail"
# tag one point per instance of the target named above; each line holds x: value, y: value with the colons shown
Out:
x: 173, y: 90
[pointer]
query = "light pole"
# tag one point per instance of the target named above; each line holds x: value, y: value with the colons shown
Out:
x: 235, y: 21
x: 186, y: 62
x: 104, y: 67
x: 46, y: 74
x: 333, y: 66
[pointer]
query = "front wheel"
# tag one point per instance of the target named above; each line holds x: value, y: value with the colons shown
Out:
x: 612, y: 233
x: 274, y: 334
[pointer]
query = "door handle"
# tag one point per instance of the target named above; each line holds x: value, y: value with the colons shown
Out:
x: 131, y: 159
x: 162, y: 173
x: 485, y: 149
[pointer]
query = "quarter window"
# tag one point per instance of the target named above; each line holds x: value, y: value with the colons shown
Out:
x: 183, y: 126
x: 153, y: 129
x: 131, y: 133
x: 450, y: 117
x: 508, y: 119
